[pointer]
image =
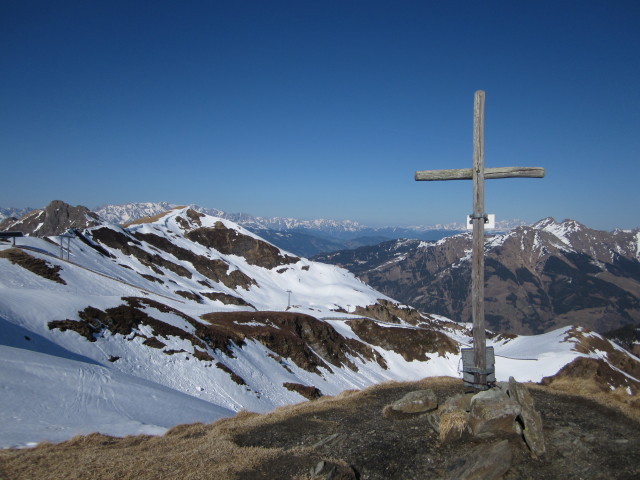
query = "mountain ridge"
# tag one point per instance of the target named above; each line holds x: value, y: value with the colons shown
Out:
x: 566, y: 271
x: 208, y: 310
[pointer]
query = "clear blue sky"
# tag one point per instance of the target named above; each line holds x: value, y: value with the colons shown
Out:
x: 325, y: 109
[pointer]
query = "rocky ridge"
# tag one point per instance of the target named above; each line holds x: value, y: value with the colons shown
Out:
x: 55, y: 219
x: 537, y: 278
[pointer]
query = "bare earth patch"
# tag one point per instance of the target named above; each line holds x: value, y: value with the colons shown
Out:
x: 348, y: 432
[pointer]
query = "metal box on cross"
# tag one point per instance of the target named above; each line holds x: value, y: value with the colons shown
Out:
x: 469, y: 369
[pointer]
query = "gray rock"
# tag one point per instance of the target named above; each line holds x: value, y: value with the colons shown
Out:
x: 416, y: 402
x: 531, y: 419
x: 333, y: 471
x: 461, y: 401
x: 484, y: 462
x: 492, y: 412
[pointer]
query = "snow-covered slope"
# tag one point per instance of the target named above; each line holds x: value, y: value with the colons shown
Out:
x: 187, y: 317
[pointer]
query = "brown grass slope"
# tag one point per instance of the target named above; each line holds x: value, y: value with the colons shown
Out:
x: 584, y: 440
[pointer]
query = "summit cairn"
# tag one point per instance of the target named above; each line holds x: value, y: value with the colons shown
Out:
x: 500, y: 421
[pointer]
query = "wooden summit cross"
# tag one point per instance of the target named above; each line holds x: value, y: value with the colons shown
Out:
x: 478, y: 173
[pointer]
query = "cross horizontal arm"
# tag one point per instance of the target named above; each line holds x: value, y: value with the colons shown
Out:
x: 466, y: 173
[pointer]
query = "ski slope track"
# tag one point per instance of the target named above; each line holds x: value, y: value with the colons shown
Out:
x: 186, y: 317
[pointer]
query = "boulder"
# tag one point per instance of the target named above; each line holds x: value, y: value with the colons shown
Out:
x: 531, y: 419
x: 492, y: 412
x: 416, y: 402
x: 328, y: 470
x: 461, y: 401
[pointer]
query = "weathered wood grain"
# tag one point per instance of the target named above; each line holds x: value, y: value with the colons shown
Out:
x: 489, y: 173
x: 477, y: 255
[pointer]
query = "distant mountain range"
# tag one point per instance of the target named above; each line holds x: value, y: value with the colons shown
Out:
x: 537, y: 278
x: 183, y: 317
x: 301, y: 237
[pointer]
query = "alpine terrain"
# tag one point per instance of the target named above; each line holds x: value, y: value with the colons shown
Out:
x: 185, y: 317
x: 537, y: 278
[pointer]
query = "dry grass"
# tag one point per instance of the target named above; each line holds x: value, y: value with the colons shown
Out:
x: 185, y: 452
x: 151, y: 219
x: 200, y: 451
x: 617, y: 399
x: 451, y: 423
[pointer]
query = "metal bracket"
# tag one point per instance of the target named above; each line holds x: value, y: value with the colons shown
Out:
x: 486, y: 371
x: 484, y: 217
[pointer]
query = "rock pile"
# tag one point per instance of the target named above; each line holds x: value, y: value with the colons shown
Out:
x: 491, y: 417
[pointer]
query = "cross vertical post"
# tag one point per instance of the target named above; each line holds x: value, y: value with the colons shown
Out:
x: 478, y: 174
x: 477, y: 255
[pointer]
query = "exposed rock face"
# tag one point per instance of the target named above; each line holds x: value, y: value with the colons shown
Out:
x: 395, y: 339
x: 537, y: 278
x: 307, y: 391
x: 130, y: 244
x: 216, y: 270
x: 628, y: 337
x: 309, y: 342
x: 230, y: 242
x: 55, y: 219
x: 596, y: 369
x: 531, y: 419
x: 390, y: 312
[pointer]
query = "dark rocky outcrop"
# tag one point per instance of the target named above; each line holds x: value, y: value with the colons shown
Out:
x: 226, y: 299
x: 214, y: 269
x: 130, y: 246
x: 35, y: 265
x: 387, y: 311
x: 230, y: 242
x: 55, y: 219
x: 310, y: 343
x: 423, y: 341
x: 628, y: 337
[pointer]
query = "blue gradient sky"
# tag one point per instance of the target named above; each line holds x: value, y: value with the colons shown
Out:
x: 325, y: 109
